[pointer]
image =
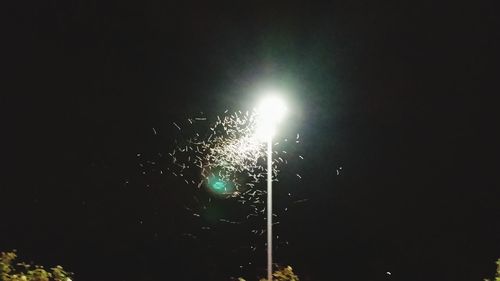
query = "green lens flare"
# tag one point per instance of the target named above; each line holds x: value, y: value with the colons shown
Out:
x: 219, y: 185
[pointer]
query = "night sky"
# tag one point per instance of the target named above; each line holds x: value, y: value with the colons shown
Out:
x: 393, y: 103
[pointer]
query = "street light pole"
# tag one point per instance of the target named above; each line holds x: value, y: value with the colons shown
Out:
x: 270, y: 208
x: 269, y: 114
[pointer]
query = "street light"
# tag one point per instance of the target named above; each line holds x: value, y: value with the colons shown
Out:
x: 270, y: 112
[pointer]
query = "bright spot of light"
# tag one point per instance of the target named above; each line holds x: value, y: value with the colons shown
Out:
x: 270, y: 112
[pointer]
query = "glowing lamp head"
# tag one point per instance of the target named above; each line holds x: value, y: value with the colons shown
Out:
x: 270, y: 112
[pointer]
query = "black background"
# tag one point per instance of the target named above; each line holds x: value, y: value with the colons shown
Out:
x: 400, y: 95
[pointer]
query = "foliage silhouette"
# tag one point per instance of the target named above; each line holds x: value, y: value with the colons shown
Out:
x: 497, y: 275
x: 283, y: 274
x: 10, y: 271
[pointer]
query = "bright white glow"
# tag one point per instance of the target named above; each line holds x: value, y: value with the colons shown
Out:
x: 270, y: 112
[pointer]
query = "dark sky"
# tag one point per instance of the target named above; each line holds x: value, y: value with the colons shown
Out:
x: 400, y: 95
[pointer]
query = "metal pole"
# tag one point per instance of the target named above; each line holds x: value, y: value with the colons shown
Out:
x: 270, y: 209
